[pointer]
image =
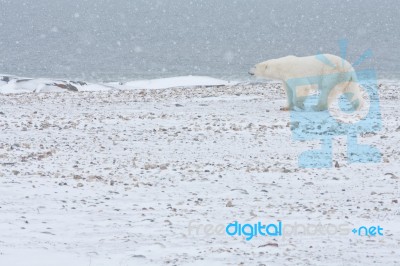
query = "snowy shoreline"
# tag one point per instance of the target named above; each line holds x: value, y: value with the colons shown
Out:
x: 11, y: 84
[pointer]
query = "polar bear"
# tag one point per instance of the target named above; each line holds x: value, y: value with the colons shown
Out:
x: 330, y: 74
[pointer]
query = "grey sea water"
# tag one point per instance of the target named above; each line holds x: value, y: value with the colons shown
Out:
x: 105, y: 40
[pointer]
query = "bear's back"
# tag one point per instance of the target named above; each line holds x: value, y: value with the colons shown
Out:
x: 313, y: 65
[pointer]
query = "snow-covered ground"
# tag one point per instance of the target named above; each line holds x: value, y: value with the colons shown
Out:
x: 119, y: 177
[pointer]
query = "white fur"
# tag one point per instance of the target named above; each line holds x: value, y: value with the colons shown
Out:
x: 288, y: 67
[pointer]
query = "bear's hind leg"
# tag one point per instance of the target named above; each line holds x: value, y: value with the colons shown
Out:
x: 354, y: 96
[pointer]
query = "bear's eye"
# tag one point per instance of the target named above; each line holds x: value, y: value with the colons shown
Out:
x: 266, y: 66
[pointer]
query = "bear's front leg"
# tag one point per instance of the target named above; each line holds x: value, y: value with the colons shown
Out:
x: 322, y: 104
x: 289, y: 96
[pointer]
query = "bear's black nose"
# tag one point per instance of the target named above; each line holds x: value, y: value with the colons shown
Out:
x: 251, y: 71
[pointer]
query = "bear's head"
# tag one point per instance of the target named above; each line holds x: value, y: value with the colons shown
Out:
x: 268, y: 69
